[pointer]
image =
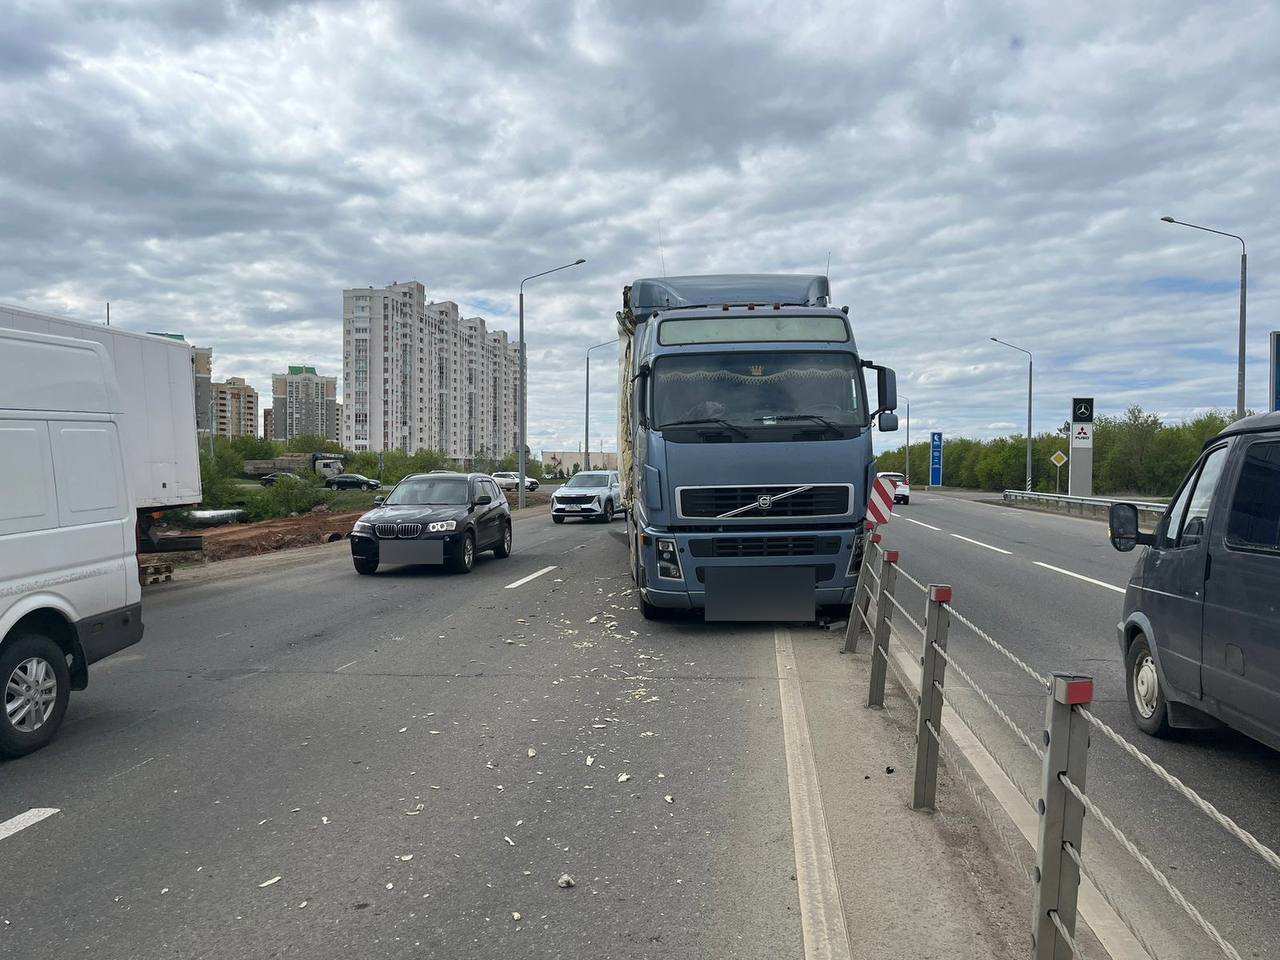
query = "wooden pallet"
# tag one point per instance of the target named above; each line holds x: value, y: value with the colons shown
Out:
x: 149, y: 573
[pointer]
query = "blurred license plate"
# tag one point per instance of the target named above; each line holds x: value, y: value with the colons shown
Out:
x: 411, y: 551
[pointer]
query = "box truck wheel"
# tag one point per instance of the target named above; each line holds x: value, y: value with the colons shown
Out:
x: 37, y: 683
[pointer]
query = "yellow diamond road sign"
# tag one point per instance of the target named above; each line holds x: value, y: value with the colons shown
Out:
x: 1058, y: 458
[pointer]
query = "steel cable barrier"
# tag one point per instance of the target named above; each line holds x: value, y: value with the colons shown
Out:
x: 883, y: 611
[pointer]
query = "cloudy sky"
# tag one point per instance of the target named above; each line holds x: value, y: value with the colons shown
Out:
x: 224, y: 169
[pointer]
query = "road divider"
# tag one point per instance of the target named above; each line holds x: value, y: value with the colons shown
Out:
x: 1052, y: 818
x: 533, y: 576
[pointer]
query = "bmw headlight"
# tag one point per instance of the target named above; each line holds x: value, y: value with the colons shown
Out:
x: 362, y: 527
x: 442, y: 526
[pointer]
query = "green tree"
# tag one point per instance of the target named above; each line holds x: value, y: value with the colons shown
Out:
x: 311, y: 444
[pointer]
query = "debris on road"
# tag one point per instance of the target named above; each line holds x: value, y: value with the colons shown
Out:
x: 590, y: 761
x: 624, y: 777
x: 515, y: 914
x: 668, y: 798
x: 565, y: 881
x: 532, y: 753
x: 510, y: 842
x: 267, y: 883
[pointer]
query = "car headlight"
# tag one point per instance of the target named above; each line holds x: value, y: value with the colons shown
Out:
x: 362, y: 527
x: 442, y: 526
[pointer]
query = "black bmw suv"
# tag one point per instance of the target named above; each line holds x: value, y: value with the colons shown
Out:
x: 444, y: 518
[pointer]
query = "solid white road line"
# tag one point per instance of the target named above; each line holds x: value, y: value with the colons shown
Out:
x: 24, y: 820
x: 1078, y: 576
x: 979, y: 543
x: 918, y: 523
x: 826, y: 937
x: 533, y: 576
x: 345, y: 665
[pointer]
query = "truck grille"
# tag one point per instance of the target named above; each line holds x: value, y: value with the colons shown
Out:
x: 821, y: 500
x: 764, y: 546
x: 405, y: 531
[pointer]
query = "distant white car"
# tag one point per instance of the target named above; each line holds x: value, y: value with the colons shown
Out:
x: 510, y: 481
x: 901, y: 489
x: 591, y: 495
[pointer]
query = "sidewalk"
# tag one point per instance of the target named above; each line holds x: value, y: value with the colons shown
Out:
x: 914, y: 885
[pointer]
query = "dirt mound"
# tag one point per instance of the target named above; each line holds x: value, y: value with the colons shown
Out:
x: 248, y: 539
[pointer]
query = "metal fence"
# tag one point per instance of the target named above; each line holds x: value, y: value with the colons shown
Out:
x: 1097, y: 507
x: 881, y: 611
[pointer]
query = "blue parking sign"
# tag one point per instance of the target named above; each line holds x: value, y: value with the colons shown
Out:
x: 935, y: 459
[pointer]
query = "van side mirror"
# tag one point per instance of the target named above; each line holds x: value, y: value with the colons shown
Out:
x: 887, y: 422
x: 1123, y: 524
x: 377, y: 501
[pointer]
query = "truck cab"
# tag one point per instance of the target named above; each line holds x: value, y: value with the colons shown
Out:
x: 746, y: 442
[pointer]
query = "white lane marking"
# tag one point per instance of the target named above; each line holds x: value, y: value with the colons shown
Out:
x: 24, y: 820
x: 1078, y: 576
x: 826, y: 937
x: 345, y: 665
x: 979, y: 543
x: 533, y: 576
x: 919, y: 523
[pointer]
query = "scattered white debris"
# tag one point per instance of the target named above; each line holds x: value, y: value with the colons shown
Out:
x: 390, y: 886
x: 532, y: 753
x: 647, y: 733
x: 662, y: 776
x: 403, y: 729
x: 325, y: 821
x: 668, y: 798
x: 406, y: 857
x: 515, y: 914
x: 590, y: 761
x: 434, y: 733
x: 302, y: 905
x: 624, y: 777
x: 565, y: 881
x: 510, y: 842
x: 163, y: 891
x: 267, y: 883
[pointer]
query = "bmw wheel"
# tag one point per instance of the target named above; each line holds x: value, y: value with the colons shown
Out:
x: 503, y: 549
x: 464, y: 556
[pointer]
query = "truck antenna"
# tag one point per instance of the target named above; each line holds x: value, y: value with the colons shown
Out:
x: 661, y: 256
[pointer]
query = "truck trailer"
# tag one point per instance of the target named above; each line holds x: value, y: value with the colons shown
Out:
x: 745, y: 440
x: 157, y: 416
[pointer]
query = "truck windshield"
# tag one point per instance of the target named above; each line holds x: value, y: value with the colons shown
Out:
x: 740, y: 394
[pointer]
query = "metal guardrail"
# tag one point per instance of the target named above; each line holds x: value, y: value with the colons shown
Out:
x: 1062, y: 499
x: 1063, y: 803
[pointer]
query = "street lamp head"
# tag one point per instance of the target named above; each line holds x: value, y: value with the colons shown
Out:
x: 580, y: 260
x: 994, y: 340
x: 1168, y: 220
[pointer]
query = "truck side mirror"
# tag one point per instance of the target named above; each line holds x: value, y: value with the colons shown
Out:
x: 886, y: 389
x: 1123, y: 524
x: 888, y: 422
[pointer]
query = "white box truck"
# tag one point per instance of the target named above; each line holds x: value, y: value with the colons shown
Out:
x: 158, y: 416
x: 69, y: 593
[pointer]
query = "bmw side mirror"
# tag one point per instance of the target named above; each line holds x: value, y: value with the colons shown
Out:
x: 483, y: 499
x: 1123, y: 524
x: 377, y: 501
x: 887, y: 422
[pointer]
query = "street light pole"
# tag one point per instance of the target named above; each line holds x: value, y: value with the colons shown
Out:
x: 523, y: 399
x: 211, y: 425
x: 906, y: 470
x: 1244, y: 269
x: 1029, y: 383
x: 586, y: 425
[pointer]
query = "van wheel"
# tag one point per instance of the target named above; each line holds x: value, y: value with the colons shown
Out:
x: 1146, y: 699
x: 37, y: 684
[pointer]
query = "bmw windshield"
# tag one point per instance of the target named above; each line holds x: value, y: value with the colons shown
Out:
x: 759, y: 396
x: 420, y: 491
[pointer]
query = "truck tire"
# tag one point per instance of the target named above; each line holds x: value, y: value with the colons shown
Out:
x: 33, y: 671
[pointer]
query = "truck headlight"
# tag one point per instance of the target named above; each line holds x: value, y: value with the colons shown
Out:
x: 362, y: 527
x: 442, y: 526
x: 669, y: 560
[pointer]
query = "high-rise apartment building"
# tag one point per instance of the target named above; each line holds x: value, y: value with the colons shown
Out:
x: 235, y: 408
x: 418, y: 376
x: 268, y: 428
x: 303, y: 403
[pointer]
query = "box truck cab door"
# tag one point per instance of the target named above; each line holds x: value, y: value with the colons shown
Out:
x: 94, y: 516
x: 1173, y: 584
x: 1242, y: 592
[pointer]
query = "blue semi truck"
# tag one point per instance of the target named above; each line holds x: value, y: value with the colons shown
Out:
x: 745, y: 442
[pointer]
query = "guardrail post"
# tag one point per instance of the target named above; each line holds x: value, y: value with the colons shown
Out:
x: 1066, y: 740
x: 861, y: 595
x: 880, y: 639
x: 933, y: 669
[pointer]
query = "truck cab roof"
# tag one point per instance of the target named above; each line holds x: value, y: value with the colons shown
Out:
x: 651, y: 294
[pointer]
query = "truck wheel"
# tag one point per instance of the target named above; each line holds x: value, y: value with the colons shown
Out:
x: 503, y: 549
x: 1146, y: 700
x: 365, y: 566
x: 37, y: 684
x: 464, y: 557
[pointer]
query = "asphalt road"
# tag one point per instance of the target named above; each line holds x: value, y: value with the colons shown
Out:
x: 1000, y: 562
x: 367, y: 741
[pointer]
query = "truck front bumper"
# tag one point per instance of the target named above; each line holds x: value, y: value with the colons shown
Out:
x: 832, y: 555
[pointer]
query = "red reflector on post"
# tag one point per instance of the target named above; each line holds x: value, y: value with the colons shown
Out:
x: 876, y: 538
x: 939, y: 593
x: 891, y: 556
x: 1080, y: 691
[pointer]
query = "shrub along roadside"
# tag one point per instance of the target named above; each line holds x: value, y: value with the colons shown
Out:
x: 1133, y: 454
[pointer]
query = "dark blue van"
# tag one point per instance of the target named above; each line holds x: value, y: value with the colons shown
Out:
x: 1201, y: 628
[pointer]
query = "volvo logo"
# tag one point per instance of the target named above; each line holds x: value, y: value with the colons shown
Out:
x: 764, y: 502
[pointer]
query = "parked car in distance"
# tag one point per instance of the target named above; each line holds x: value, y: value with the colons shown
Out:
x: 1201, y: 629
x: 510, y: 481
x: 351, y: 481
x: 901, y: 487
x: 437, y: 518
x: 591, y: 494
x: 68, y: 554
x: 271, y: 478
